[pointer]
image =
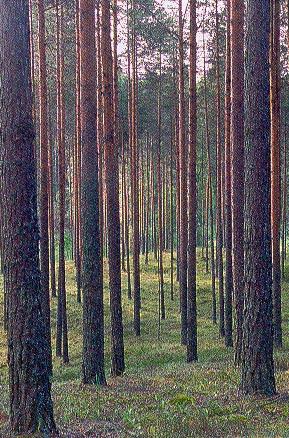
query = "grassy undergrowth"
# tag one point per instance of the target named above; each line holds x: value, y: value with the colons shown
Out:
x: 160, y: 395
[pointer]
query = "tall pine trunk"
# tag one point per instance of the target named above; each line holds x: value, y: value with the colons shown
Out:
x: 228, y: 314
x: 192, y: 354
x: 93, y: 315
x: 257, y: 357
x: 28, y: 347
x: 61, y: 335
x: 183, y: 171
x: 135, y: 180
x: 237, y: 152
x: 276, y: 168
x: 112, y: 189
x: 44, y: 145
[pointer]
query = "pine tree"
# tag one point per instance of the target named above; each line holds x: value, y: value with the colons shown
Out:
x: 237, y: 149
x: 276, y: 168
x: 28, y: 347
x: 192, y: 354
x: 183, y: 159
x: 61, y: 335
x: 257, y: 355
x: 44, y: 145
x: 93, y: 318
x: 112, y: 190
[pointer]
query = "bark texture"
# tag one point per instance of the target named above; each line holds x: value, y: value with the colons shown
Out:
x: 28, y: 350
x: 93, y: 318
x: 237, y: 149
x: 112, y: 193
x: 257, y: 357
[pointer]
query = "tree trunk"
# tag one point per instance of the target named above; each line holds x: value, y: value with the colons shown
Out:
x: 61, y: 335
x: 28, y: 347
x: 51, y: 216
x: 284, y: 205
x: 237, y: 153
x: 276, y: 169
x: 228, y: 187
x: 112, y: 189
x: 192, y: 354
x: 160, y: 200
x: 209, y: 198
x: 183, y: 184
x: 126, y: 211
x: 219, y: 221
x: 93, y: 318
x: 135, y: 183
x: 147, y: 239
x: 44, y: 145
x: 257, y: 356
x: 172, y: 228
x: 77, y: 159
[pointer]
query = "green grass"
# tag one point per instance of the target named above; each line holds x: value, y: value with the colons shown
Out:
x: 160, y: 395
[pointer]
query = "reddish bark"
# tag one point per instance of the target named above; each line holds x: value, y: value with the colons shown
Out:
x: 93, y: 317
x: 61, y: 335
x: 44, y: 145
x: 183, y: 170
x: 112, y: 190
x: 276, y: 168
x: 237, y: 152
x: 192, y: 354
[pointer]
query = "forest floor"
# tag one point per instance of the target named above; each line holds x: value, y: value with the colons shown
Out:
x: 160, y: 394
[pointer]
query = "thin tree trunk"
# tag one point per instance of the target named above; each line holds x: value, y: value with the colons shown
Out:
x: 61, y: 335
x: 123, y: 258
x: 44, y: 145
x: 112, y: 190
x: 77, y: 158
x: 126, y: 209
x: 228, y: 194
x: 276, y: 169
x: 228, y: 324
x: 147, y: 239
x: 93, y: 315
x: 192, y: 353
x: 183, y: 184
x: 135, y: 184
x: 172, y: 230
x: 210, y: 223
x: 237, y: 153
x: 51, y: 218
x: 160, y: 193
x: 102, y: 221
x: 284, y: 206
